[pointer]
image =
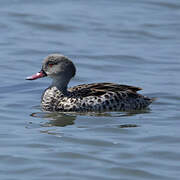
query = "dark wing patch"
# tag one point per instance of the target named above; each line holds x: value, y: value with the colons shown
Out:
x: 98, y: 89
x: 114, y: 87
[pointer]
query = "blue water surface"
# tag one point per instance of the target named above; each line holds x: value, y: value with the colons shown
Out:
x: 126, y: 42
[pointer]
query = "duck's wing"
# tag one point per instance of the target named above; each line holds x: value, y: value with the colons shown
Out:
x: 98, y: 89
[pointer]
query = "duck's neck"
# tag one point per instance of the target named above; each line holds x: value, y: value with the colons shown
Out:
x: 61, y: 84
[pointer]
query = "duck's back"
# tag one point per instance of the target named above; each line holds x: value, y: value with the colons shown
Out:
x: 95, y: 97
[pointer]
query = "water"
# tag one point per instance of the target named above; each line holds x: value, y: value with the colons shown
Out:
x: 127, y: 42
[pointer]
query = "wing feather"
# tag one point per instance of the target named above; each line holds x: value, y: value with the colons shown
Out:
x: 98, y: 89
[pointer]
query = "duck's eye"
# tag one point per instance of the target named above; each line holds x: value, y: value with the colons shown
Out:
x: 50, y: 65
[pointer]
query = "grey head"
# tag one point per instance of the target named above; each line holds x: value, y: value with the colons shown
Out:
x: 59, y: 68
x: 57, y: 65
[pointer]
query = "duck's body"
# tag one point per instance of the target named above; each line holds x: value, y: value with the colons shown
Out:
x: 86, y: 97
x: 94, y: 97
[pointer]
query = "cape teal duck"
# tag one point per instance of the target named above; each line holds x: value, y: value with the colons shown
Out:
x: 85, y: 97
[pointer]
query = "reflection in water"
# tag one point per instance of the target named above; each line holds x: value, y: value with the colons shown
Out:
x: 62, y: 119
x: 128, y: 125
x: 55, y: 119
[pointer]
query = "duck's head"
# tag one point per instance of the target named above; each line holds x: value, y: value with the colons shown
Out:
x: 58, y: 67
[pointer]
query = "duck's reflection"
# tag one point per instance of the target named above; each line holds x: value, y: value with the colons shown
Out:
x: 66, y: 119
x: 55, y: 119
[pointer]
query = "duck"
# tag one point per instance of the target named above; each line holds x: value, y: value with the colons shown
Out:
x: 94, y: 97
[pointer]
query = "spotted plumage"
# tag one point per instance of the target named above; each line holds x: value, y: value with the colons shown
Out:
x: 86, y: 97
